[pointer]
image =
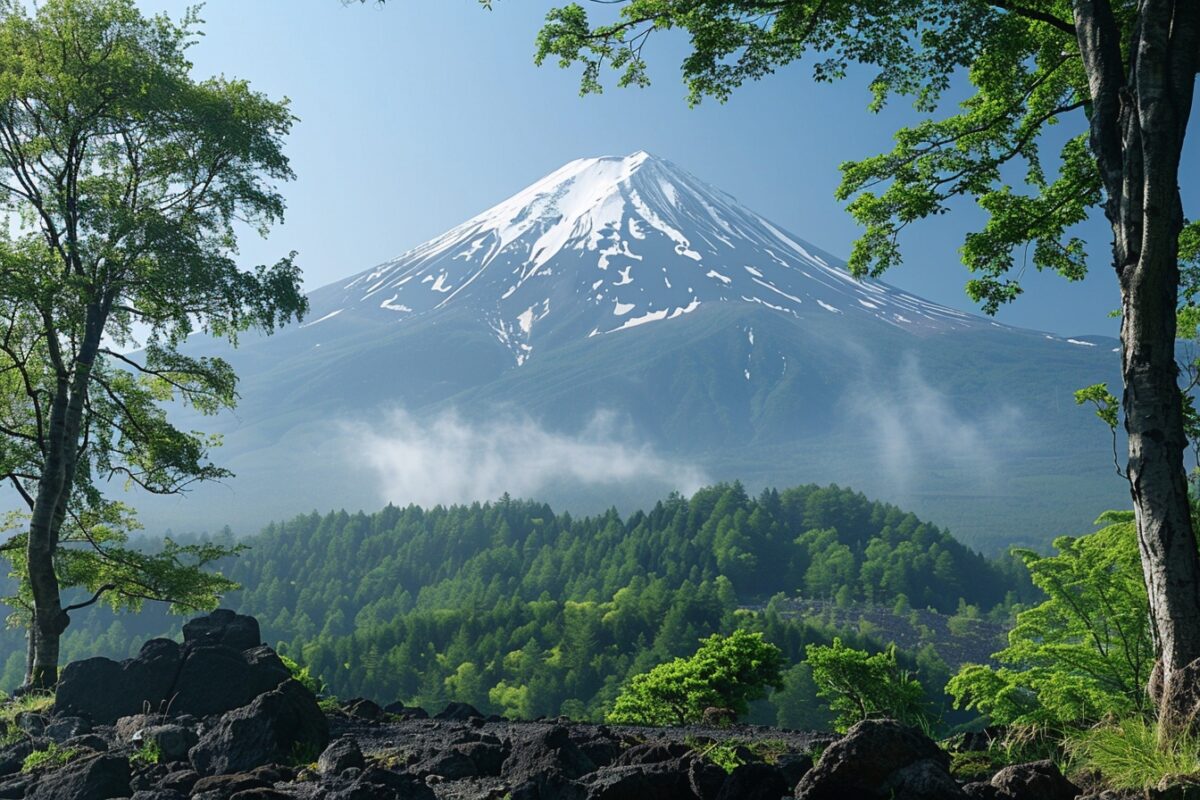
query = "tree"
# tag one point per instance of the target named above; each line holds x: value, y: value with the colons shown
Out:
x: 123, y: 179
x: 726, y: 672
x: 1123, y: 73
x: 1085, y: 652
x: 859, y: 685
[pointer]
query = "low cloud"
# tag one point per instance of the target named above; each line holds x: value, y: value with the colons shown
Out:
x: 453, y: 460
x: 918, y: 428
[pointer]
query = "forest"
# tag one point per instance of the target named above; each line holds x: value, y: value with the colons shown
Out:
x: 522, y: 611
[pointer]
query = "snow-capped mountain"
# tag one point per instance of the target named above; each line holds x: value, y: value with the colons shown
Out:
x: 604, y: 245
x: 710, y: 343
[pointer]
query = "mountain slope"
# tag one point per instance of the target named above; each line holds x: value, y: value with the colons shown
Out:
x: 619, y: 328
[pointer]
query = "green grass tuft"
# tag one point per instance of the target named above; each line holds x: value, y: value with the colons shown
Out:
x: 1129, y: 756
x: 52, y: 756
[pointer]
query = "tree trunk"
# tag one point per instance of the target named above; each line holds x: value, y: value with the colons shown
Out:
x: 50, y: 507
x: 1138, y: 117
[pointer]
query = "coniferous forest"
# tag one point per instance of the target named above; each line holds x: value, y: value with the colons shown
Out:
x: 520, y: 610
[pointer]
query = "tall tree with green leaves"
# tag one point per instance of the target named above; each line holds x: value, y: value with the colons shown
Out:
x: 1122, y: 73
x: 124, y: 182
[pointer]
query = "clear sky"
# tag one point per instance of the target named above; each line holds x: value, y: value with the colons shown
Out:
x: 419, y: 114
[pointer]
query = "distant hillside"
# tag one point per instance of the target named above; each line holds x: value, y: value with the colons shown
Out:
x: 509, y: 605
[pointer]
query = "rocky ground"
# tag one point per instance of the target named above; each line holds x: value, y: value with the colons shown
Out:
x: 220, y: 718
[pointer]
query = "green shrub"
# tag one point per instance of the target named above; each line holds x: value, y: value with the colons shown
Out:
x: 146, y: 755
x: 303, y: 676
x: 1082, y: 655
x: 859, y: 685
x: 726, y: 672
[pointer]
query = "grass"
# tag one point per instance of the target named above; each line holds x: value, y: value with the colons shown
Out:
x: 52, y: 756
x: 728, y: 754
x: 147, y: 755
x: 1128, y: 754
x: 11, y: 708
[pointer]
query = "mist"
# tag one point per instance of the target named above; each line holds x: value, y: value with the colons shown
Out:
x: 449, y: 459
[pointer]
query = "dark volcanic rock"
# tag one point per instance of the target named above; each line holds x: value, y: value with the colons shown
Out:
x: 173, y: 741
x: 663, y: 780
x: 278, y: 726
x: 754, y: 782
x: 217, y: 678
x: 459, y: 711
x: 548, y: 752
x: 1039, y: 779
x: 924, y: 780
x: 365, y: 709
x: 13, y: 756
x: 200, y: 678
x: 860, y: 764
x: 96, y: 778
x: 339, y: 756
x: 223, y: 627
x: 651, y: 753
x: 406, y: 712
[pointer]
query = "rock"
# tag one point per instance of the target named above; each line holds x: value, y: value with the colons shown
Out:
x: 923, y: 780
x: 284, y: 724
x: 16, y: 786
x: 172, y: 741
x: 180, y: 781
x: 13, y: 756
x: 223, y: 627
x: 450, y: 764
x: 216, y: 678
x: 227, y: 785
x: 861, y: 762
x: 794, y: 766
x: 362, y: 708
x: 982, y: 790
x: 548, y: 752
x: 376, y: 783
x: 158, y: 794
x: 406, y: 712
x: 549, y: 786
x: 487, y: 757
x: 459, y: 711
x: 261, y: 794
x: 60, y: 729
x: 97, y: 778
x: 754, y: 782
x: 662, y: 781
x: 704, y: 777
x: 202, y: 678
x: 1039, y: 779
x: 340, y: 755
x: 651, y: 753
x: 89, y: 741
x: 31, y: 722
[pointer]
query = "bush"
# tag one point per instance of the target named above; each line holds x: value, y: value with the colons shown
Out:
x: 860, y: 686
x: 52, y: 756
x: 726, y: 672
x: 1082, y: 655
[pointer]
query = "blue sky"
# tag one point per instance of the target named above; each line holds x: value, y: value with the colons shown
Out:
x: 419, y: 114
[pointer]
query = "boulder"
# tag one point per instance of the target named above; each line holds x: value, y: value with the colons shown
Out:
x: 172, y: 741
x: 217, y: 678
x: 97, y: 778
x: 548, y: 752
x: 981, y: 790
x: 923, y: 780
x: 13, y: 756
x: 795, y: 766
x: 223, y: 627
x: 861, y: 763
x: 1039, y: 779
x: 662, y: 781
x: 459, y: 711
x: 754, y: 782
x: 376, y: 783
x: 361, y: 708
x: 705, y: 778
x: 284, y: 724
x: 340, y: 755
x: 203, y: 677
